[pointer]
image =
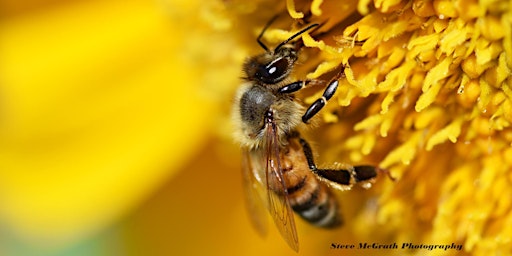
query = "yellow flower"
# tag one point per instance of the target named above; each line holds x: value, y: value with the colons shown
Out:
x: 427, y: 95
x: 115, y: 136
x: 429, y: 90
x: 98, y: 108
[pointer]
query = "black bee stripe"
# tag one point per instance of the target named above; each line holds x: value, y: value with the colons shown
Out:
x: 318, y: 212
x: 297, y: 187
x: 309, y: 203
x: 323, y: 214
x: 331, y: 217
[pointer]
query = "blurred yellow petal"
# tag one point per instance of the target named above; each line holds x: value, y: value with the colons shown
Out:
x: 106, y: 106
x: 98, y: 108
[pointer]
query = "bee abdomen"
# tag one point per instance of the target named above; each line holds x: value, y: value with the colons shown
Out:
x: 314, y: 202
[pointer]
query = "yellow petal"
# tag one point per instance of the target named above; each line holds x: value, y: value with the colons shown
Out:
x: 97, y: 112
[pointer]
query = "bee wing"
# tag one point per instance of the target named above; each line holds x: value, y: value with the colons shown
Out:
x: 278, y: 203
x: 255, y: 197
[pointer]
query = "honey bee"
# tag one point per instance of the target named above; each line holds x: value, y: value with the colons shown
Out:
x: 279, y: 172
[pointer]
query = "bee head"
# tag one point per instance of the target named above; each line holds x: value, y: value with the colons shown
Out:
x: 271, y: 67
x: 274, y: 66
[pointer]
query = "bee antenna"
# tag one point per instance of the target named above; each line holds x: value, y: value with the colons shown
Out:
x: 263, y: 32
x: 299, y: 45
x: 296, y: 35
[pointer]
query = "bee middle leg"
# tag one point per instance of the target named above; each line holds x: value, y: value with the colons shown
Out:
x: 359, y: 173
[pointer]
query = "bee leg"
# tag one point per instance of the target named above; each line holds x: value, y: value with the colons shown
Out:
x: 314, y: 108
x: 308, y: 153
x: 360, y: 173
x: 293, y: 87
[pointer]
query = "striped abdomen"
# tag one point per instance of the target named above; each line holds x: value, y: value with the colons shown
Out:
x: 309, y: 197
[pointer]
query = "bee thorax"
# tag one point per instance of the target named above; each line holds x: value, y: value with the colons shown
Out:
x: 258, y: 106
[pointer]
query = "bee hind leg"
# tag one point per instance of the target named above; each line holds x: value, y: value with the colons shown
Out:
x: 348, y: 176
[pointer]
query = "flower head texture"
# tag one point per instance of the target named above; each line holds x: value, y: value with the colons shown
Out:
x: 115, y: 136
x: 426, y: 94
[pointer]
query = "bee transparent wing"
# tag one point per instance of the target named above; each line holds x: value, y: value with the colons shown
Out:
x: 278, y: 204
x: 254, y: 192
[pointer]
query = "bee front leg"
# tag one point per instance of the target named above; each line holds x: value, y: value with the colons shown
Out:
x: 293, y: 87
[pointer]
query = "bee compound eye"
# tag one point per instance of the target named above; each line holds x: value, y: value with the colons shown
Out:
x: 274, y: 71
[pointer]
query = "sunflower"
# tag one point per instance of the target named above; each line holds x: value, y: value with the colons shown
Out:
x: 427, y: 95
x: 115, y: 136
